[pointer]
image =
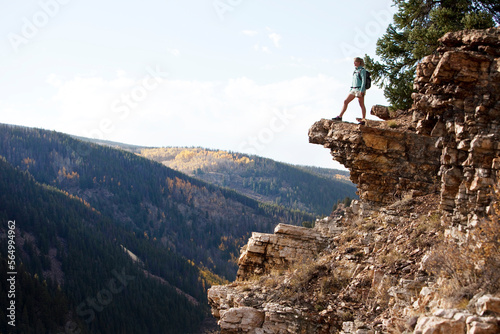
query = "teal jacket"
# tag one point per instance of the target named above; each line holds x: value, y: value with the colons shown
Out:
x: 359, y: 79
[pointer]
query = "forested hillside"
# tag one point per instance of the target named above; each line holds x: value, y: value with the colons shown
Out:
x: 76, y: 205
x: 310, y: 189
x: 67, y: 256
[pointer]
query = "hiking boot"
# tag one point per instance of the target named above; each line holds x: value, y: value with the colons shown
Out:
x: 338, y: 118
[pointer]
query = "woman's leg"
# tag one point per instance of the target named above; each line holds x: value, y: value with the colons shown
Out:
x: 348, y: 100
x: 361, y: 99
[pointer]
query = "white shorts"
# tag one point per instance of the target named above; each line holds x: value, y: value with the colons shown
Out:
x: 355, y: 91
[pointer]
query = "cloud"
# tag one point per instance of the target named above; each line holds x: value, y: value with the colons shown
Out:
x: 250, y: 32
x: 174, y: 52
x: 53, y: 80
x: 275, y: 38
x: 260, y: 48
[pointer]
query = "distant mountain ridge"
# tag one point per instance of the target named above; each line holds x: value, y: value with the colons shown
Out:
x: 311, y: 189
x: 260, y: 178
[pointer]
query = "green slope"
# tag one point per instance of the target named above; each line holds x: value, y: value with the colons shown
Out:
x: 72, y: 272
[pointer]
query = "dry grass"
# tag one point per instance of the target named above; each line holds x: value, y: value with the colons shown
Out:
x: 392, y: 257
x: 427, y: 226
x: 304, y: 279
x: 471, y: 266
x: 392, y: 124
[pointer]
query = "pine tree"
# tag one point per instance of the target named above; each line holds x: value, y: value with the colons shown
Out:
x: 417, y: 26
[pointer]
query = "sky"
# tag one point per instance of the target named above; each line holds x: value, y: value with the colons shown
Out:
x: 247, y: 76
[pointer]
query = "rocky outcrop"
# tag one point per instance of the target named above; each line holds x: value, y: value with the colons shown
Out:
x: 287, y: 245
x: 240, y: 308
x: 453, y: 145
x: 386, y: 164
x: 456, y: 101
x: 485, y: 321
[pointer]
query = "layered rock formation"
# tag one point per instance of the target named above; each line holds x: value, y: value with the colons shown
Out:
x: 379, y: 265
x: 240, y: 310
x: 456, y: 101
x: 386, y: 164
x: 265, y: 252
x: 452, y: 145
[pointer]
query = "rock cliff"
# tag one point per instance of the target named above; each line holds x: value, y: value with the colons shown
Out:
x: 451, y: 145
x: 386, y: 164
x: 420, y: 251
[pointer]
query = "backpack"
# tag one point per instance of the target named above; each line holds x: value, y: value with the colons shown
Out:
x: 368, y: 82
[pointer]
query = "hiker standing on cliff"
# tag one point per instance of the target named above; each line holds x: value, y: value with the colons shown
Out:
x: 358, y: 89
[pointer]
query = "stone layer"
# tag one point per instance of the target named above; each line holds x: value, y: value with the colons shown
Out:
x: 386, y: 164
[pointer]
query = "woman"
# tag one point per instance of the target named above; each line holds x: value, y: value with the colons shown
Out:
x: 358, y: 90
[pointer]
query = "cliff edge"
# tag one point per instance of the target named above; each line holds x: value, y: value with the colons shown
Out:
x: 451, y: 144
x: 420, y: 251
